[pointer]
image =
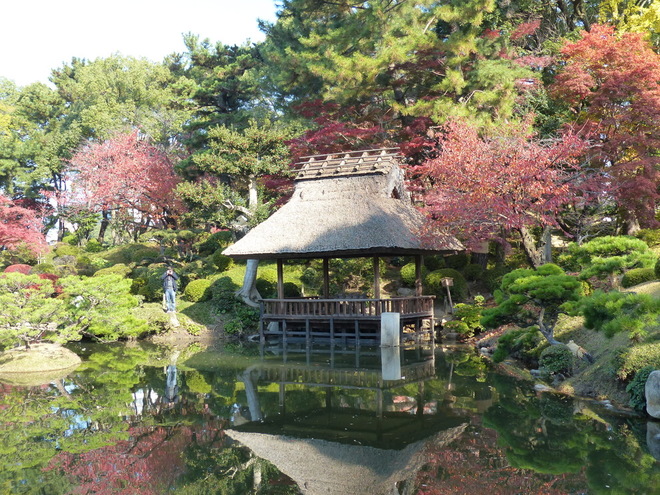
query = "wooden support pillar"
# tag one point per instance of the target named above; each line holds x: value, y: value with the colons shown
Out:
x: 280, y: 279
x: 418, y: 275
x: 326, y: 278
x: 376, y: 277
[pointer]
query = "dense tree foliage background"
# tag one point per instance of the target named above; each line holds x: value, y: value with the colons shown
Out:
x: 346, y: 75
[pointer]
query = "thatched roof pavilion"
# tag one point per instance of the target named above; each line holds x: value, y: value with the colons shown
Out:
x: 345, y: 204
x: 351, y: 204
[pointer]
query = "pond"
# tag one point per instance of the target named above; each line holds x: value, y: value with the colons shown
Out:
x: 143, y: 419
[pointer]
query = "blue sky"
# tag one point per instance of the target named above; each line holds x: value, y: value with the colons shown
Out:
x: 37, y: 36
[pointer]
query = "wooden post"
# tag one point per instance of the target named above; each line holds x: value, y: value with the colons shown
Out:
x: 326, y: 278
x: 418, y: 275
x: 376, y: 277
x: 280, y: 278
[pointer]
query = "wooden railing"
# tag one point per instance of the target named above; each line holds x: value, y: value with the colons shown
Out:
x: 346, y: 308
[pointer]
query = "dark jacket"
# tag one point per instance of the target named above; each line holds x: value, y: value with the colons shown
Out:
x: 174, y: 277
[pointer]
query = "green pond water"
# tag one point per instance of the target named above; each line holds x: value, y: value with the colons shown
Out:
x: 144, y: 419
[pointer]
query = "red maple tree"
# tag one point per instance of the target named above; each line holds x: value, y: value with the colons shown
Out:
x: 484, y: 187
x: 612, y: 83
x: 124, y: 173
x: 20, y: 225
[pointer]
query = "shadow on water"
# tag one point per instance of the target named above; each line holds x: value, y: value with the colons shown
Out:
x: 141, y: 418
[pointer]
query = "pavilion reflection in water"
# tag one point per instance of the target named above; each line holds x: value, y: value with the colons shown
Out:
x: 349, y: 421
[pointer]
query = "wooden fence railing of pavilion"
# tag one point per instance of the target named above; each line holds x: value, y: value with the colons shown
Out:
x: 347, y: 308
x: 344, y: 319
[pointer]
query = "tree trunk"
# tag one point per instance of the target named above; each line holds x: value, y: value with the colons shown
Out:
x: 253, y: 197
x: 249, y: 293
x: 105, y: 221
x: 534, y: 254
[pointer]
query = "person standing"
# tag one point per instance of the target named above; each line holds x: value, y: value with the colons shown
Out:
x: 169, y: 287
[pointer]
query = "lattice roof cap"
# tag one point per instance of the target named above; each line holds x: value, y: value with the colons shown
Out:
x: 348, y: 163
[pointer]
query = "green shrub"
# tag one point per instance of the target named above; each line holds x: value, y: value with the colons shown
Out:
x: 408, y: 274
x: 457, y: 261
x: 244, y: 320
x: 656, y: 268
x: 521, y: 343
x: 467, y: 318
x: 119, y: 269
x: 637, y: 388
x: 493, y: 277
x: 637, y: 276
x: 556, y: 359
x: 221, y: 262
x: 632, y: 359
x: 266, y: 288
x: 649, y: 236
x: 70, y: 238
x: 613, y: 312
x: 473, y: 272
x: 223, y: 294
x: 214, y: 242
x: 291, y: 290
x: 610, y: 255
x: 433, y: 263
x: 63, y: 249
x: 433, y: 284
x: 198, y: 290
x: 43, y: 268
x: 93, y: 246
x: 311, y: 278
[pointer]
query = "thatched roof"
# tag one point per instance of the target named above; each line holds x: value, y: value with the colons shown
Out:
x: 329, y: 468
x: 347, y: 204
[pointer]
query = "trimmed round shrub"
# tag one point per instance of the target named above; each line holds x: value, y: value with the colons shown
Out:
x: 119, y: 269
x: 266, y: 288
x: 20, y: 268
x: 408, y: 274
x: 291, y: 290
x: 433, y: 284
x: 637, y: 388
x: 198, y: 290
x: 637, y: 276
x: 221, y: 262
x: 556, y: 359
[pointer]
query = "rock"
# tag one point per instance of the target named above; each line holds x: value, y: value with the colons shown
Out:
x: 405, y: 292
x: 653, y: 438
x: 652, y: 391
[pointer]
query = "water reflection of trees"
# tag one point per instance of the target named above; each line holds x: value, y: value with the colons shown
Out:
x: 115, y: 425
x: 557, y: 435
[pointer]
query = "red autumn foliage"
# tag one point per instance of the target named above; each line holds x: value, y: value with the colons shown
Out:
x: 612, y: 83
x: 125, y: 172
x: 148, y: 463
x: 20, y: 225
x: 20, y: 268
x: 337, y: 129
x: 478, y: 187
x: 475, y: 464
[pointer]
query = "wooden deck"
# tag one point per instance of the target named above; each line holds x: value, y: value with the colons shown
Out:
x: 344, y: 319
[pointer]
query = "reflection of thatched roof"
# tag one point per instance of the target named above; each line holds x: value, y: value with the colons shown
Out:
x: 329, y: 468
x: 352, y: 204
